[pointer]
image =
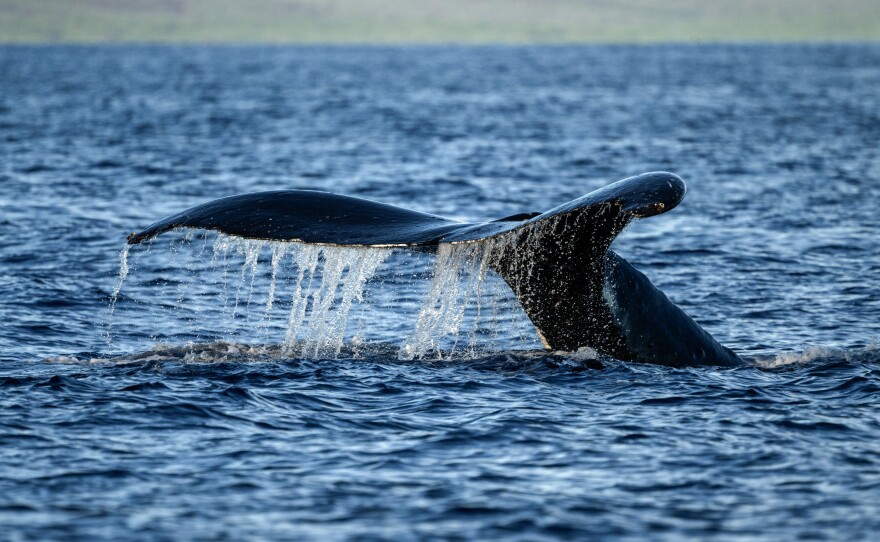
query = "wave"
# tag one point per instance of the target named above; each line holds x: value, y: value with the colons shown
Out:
x: 233, y: 352
x: 818, y: 354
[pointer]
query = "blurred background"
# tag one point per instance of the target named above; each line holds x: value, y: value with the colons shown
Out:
x: 176, y: 415
x: 443, y: 21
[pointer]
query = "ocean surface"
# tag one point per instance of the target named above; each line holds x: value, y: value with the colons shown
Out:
x: 197, y: 399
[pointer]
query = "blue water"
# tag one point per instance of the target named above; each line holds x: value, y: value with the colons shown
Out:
x: 181, y: 415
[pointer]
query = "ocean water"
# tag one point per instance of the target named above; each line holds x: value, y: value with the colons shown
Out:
x: 200, y: 399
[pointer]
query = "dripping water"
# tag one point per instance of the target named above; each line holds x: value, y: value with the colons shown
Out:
x: 123, y: 272
x: 459, y: 274
x: 302, y: 296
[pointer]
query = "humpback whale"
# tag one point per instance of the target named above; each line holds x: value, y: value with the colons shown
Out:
x: 575, y: 290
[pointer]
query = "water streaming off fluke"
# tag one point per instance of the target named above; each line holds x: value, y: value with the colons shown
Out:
x: 313, y: 300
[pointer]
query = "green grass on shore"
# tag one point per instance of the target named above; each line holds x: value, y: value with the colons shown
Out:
x: 432, y: 21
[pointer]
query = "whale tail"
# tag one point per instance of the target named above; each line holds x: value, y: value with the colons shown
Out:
x: 324, y: 218
x: 558, y: 263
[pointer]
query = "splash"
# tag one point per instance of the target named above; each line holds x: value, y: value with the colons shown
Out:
x: 808, y: 355
x: 815, y: 353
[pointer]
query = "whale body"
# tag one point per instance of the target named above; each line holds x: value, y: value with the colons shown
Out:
x: 574, y: 289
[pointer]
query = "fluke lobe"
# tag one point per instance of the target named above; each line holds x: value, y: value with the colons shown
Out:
x: 576, y: 291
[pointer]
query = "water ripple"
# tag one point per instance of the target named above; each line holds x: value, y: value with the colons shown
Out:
x: 185, y: 415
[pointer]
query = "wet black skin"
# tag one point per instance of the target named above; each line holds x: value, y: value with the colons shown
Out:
x: 576, y: 291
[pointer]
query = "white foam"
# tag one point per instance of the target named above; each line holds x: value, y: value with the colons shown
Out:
x: 811, y: 354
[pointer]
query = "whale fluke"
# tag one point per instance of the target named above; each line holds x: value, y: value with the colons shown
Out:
x: 574, y: 289
x: 308, y: 216
x: 311, y: 216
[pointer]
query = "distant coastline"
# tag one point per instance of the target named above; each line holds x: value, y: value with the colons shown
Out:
x: 436, y: 21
